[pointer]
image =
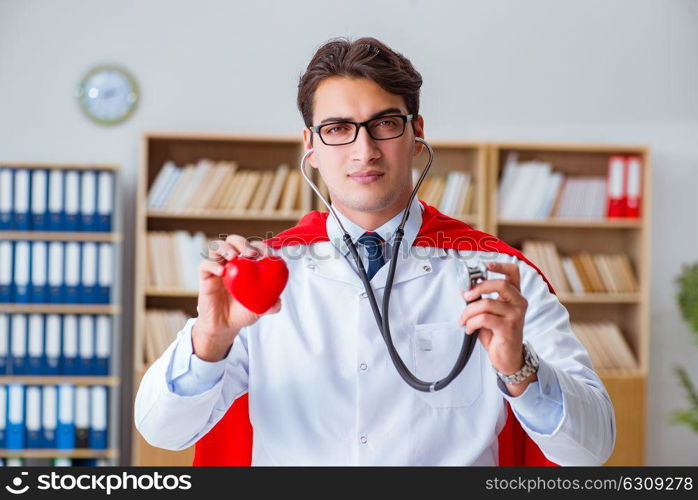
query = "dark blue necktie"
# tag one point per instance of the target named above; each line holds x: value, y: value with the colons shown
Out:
x: 374, y: 249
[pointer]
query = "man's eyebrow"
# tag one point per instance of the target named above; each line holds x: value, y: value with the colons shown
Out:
x: 349, y: 119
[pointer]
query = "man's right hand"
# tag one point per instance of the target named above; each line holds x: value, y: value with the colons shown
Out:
x: 221, y: 317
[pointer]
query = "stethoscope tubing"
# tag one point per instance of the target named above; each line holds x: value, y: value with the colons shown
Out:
x: 381, y: 316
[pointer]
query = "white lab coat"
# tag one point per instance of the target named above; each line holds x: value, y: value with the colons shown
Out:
x: 323, y: 391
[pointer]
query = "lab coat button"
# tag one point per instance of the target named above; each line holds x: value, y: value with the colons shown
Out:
x: 427, y: 268
x: 363, y: 366
x: 311, y: 266
x: 364, y: 295
x: 364, y: 439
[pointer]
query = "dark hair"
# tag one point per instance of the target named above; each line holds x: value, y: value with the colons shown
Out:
x: 365, y: 57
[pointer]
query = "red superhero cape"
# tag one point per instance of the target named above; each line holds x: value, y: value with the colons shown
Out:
x: 229, y: 442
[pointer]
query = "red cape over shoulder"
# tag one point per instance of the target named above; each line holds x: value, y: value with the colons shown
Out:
x: 229, y: 442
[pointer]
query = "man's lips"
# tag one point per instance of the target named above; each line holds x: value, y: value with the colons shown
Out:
x: 367, y: 176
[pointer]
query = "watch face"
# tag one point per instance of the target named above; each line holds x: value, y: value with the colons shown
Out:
x: 108, y: 95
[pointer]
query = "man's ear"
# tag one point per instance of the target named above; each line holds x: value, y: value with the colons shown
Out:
x: 418, y: 127
x: 308, y: 144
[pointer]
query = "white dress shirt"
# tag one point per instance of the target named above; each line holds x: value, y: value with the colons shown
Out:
x: 322, y: 389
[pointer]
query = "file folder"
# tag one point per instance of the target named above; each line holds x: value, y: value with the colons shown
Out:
x: 87, y: 347
x: 72, y: 273
x: 82, y: 416
x: 102, y: 345
x: 98, y: 422
x: 6, y: 199
x: 88, y: 270
x: 65, y: 430
x: 6, y: 270
x: 33, y: 417
x: 105, y: 275
x: 3, y: 416
x: 21, y: 199
x: 88, y: 200
x: 35, y: 347
x: 69, y: 359
x: 52, y: 342
x: 105, y: 201
x: 55, y: 200
x: 21, y: 272
x: 49, y: 417
x: 38, y: 272
x: 15, y: 417
x: 39, y: 198
x: 71, y: 200
x: 18, y: 344
x: 4, y: 342
x: 56, y: 265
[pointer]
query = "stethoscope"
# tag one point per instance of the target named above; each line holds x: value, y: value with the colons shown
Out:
x: 467, y: 277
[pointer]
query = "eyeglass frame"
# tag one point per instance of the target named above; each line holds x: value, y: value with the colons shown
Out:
x: 358, y: 125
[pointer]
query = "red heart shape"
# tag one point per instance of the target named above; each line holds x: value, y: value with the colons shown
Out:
x: 256, y: 284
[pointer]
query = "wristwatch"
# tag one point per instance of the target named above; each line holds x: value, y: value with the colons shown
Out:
x: 531, y: 364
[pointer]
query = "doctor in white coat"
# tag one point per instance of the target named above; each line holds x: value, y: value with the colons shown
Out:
x: 322, y: 389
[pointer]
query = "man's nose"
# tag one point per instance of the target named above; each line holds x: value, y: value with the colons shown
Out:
x: 365, y: 148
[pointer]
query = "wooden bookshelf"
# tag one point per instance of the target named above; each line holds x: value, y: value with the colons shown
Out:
x: 249, y: 152
x: 482, y: 161
x: 466, y: 157
x: 629, y: 236
x: 113, y: 309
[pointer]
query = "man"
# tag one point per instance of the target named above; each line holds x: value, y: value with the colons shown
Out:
x: 317, y: 376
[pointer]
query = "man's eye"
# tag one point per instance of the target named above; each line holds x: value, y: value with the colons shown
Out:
x: 336, y: 129
x: 387, y: 123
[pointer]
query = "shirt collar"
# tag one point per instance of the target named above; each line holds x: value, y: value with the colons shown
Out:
x: 386, y: 231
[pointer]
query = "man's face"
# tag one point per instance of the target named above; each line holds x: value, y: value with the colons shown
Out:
x: 360, y: 99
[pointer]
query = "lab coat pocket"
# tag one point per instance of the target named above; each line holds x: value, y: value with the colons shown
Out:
x: 436, y: 347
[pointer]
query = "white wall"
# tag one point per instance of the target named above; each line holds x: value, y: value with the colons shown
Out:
x: 592, y: 70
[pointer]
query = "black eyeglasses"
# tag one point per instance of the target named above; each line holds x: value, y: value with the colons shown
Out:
x: 380, y: 129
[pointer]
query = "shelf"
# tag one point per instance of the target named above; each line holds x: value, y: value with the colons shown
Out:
x: 575, y: 147
x: 228, y: 215
x: 620, y: 373
x: 599, y: 298
x: 61, y: 308
x: 59, y: 379
x: 52, y: 453
x: 59, y: 166
x: 59, y: 236
x: 575, y: 223
x: 170, y: 292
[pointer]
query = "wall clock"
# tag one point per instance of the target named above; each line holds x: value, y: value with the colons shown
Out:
x: 108, y: 94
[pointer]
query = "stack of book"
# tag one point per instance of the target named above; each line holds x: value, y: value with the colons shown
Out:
x: 606, y: 345
x: 452, y: 195
x: 224, y: 187
x: 55, y: 344
x: 56, y: 199
x: 173, y: 259
x: 62, y: 416
x: 161, y: 328
x: 532, y: 190
x: 583, y: 272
